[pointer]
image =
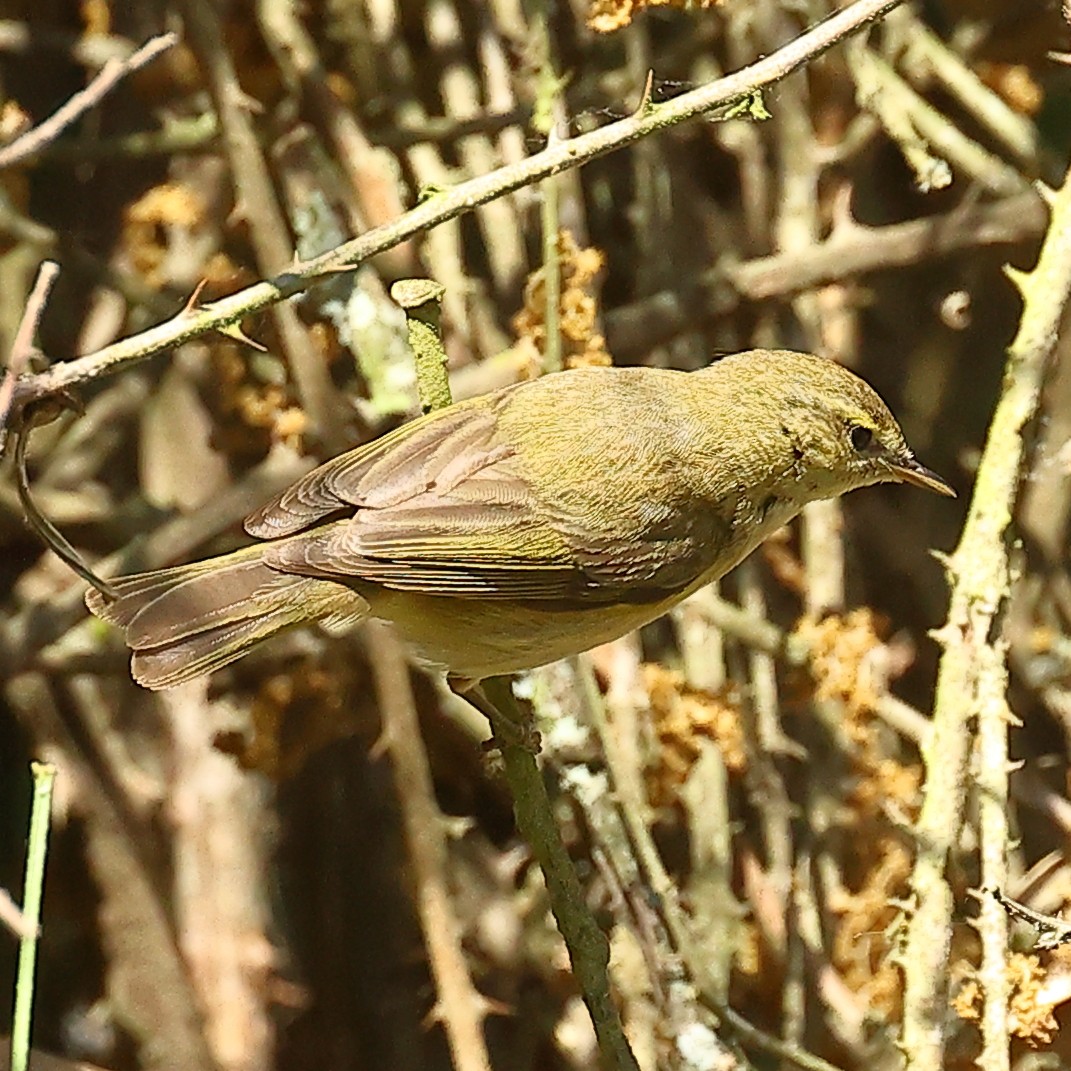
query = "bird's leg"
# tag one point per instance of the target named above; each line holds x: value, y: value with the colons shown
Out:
x: 508, y: 726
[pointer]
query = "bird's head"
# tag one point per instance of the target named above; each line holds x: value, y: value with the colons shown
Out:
x: 835, y: 433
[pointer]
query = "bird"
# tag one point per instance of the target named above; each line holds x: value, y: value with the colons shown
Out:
x: 538, y: 521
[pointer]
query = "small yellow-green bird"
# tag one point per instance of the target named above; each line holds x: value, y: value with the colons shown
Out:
x: 532, y: 523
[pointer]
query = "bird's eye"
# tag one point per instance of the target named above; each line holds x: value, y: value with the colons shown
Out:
x: 860, y: 437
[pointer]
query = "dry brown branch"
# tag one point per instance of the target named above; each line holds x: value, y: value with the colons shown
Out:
x: 219, y: 849
x: 924, y: 49
x: 370, y: 171
x: 851, y: 250
x: 459, y: 1006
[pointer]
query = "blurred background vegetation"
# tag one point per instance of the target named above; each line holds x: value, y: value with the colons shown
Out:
x: 232, y: 882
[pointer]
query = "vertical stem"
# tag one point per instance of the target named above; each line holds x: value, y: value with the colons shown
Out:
x: 422, y: 301
x: 589, y: 950
x: 552, y: 276
x: 462, y: 1008
x: 972, y: 675
x: 44, y: 775
x: 994, y: 717
x: 548, y: 113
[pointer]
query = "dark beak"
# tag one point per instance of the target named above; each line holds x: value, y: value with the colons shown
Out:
x: 910, y: 471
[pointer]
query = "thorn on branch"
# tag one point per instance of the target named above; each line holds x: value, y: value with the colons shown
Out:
x: 646, y: 104
x: 194, y: 298
x: 1017, y: 277
x: 235, y: 331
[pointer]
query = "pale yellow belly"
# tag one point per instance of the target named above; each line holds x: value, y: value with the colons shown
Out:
x: 486, y: 638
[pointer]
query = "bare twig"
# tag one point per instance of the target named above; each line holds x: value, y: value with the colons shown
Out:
x: 461, y: 199
x: 20, y: 354
x: 11, y: 915
x: 792, y: 1055
x: 548, y: 121
x: 49, y: 534
x: 369, y: 169
x: 219, y: 850
x: 917, y: 127
x: 22, y: 347
x: 1053, y: 931
x: 23, y: 635
x: 110, y: 75
x: 499, y: 220
x: 925, y: 49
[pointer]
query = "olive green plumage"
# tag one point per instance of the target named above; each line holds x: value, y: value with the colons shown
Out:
x: 508, y: 531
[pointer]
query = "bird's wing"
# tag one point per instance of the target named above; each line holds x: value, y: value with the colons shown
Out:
x: 466, y: 547
x: 447, y: 509
x: 392, y: 469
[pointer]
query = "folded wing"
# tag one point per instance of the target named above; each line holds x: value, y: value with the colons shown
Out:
x: 445, y: 507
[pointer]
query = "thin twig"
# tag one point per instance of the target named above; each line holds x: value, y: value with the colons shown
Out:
x: 109, y: 76
x: 22, y: 347
x: 44, y: 777
x: 1053, y: 931
x: 462, y: 198
x: 460, y: 1007
x: 370, y: 170
x: 679, y: 926
x: 24, y: 635
x: 994, y: 720
x: 11, y: 915
x: 917, y: 126
x: 751, y: 1036
x: 924, y: 48
x: 49, y: 534
x: 547, y: 120
x: 633, y: 330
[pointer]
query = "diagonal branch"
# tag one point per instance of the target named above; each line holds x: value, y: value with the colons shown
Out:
x: 110, y: 75
x: 461, y: 199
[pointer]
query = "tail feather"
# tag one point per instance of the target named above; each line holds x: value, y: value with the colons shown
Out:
x: 192, y: 619
x: 203, y: 652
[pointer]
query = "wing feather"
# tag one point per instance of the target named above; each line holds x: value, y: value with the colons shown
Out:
x: 442, y: 447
